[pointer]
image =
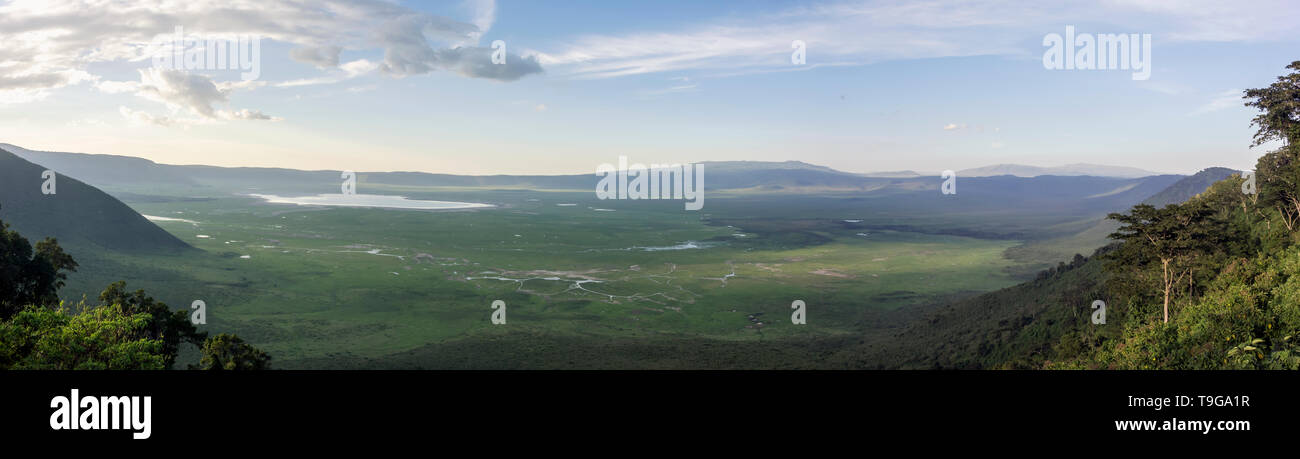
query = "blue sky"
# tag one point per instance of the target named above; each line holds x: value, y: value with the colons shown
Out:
x: 915, y: 85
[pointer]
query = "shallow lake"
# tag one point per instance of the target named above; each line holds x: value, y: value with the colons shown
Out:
x: 367, y: 200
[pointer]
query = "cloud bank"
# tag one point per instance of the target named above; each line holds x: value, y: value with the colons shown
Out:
x: 50, y: 44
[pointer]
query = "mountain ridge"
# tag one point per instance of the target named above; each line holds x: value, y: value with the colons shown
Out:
x: 1190, y: 186
x: 77, y: 214
x: 1020, y: 170
x: 92, y: 166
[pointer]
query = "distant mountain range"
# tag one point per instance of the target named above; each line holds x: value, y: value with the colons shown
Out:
x: 120, y: 174
x: 1045, y: 197
x: 100, y: 169
x: 894, y: 174
x: 1018, y: 170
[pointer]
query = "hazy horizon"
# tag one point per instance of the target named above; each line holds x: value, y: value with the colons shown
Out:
x: 921, y: 172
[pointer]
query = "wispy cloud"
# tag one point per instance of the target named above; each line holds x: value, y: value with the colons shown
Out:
x: 485, y: 14
x: 50, y: 44
x: 1227, y: 99
x: 863, y: 32
x: 344, y: 72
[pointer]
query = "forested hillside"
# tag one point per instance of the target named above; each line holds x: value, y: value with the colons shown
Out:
x: 1189, y: 187
x: 123, y: 331
x: 1212, y: 282
x: 1209, y: 283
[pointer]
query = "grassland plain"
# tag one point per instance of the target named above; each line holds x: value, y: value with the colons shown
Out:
x: 587, y: 283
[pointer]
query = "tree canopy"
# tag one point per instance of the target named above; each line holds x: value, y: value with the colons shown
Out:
x: 30, y: 276
x: 125, y: 331
x: 1225, y: 264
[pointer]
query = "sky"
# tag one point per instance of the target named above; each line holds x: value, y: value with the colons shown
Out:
x: 413, y: 86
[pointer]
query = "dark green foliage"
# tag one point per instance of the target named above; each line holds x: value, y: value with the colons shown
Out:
x: 1225, y: 261
x: 30, y: 276
x: 1240, y: 305
x: 169, y: 327
x: 1279, y: 185
x: 1279, y: 106
x: 1164, y: 245
x: 103, y: 338
x: 228, y: 352
x: 1279, y: 120
x: 128, y: 331
x: 1016, y: 327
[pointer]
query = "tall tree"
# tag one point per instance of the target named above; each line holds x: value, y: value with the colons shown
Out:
x: 27, y: 276
x: 168, y: 326
x: 1172, y: 237
x: 1280, y: 104
x: 229, y: 352
x: 1279, y: 120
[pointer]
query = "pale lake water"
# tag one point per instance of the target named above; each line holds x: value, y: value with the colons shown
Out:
x: 155, y: 218
x: 368, y: 200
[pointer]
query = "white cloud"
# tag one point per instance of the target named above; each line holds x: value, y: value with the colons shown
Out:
x: 359, y: 67
x: 139, y: 118
x: 50, y: 44
x: 862, y: 32
x: 178, y: 89
x: 846, y: 32
x: 1215, y: 20
x: 181, y: 91
x: 407, y: 52
x: 246, y: 114
x: 344, y: 72
x: 320, y: 56
x: 117, y: 87
x: 1227, y: 99
x: 954, y: 126
x: 22, y: 87
x: 485, y: 13
x: 46, y: 42
x: 32, y: 81
x: 22, y: 96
